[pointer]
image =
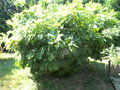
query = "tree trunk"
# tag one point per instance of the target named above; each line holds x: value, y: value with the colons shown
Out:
x: 65, y: 1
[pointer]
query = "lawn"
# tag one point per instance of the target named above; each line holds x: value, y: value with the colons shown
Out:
x: 91, y: 77
x: 12, y: 77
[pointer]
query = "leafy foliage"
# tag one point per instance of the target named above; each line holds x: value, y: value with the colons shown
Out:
x: 115, y: 4
x: 96, y: 1
x: 60, y: 38
x: 5, y: 14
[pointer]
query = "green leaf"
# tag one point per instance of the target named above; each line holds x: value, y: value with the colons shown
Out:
x: 40, y: 53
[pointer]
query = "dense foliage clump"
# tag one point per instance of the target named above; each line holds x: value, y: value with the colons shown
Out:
x: 60, y: 38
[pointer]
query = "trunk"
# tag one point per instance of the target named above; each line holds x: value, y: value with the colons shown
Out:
x: 70, y: 1
x: 109, y: 67
x: 65, y: 1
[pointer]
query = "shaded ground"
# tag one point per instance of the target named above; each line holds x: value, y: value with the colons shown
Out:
x: 94, y: 77
x: 90, y: 78
x: 6, y: 66
x: 116, y: 82
x: 75, y: 82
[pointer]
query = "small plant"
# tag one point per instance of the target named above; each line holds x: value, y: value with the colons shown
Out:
x: 113, y: 54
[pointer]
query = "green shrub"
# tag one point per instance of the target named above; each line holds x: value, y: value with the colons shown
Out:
x: 60, y: 38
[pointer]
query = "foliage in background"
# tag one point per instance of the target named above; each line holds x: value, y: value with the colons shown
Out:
x: 5, y: 13
x: 59, y: 38
x: 96, y: 1
x: 115, y: 4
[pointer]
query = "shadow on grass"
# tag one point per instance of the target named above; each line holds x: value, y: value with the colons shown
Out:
x: 6, y: 66
x: 91, y: 77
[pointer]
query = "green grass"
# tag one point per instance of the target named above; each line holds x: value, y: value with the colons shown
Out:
x: 15, y: 78
x: 12, y: 77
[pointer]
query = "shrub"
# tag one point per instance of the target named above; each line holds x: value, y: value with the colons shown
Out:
x: 60, y: 38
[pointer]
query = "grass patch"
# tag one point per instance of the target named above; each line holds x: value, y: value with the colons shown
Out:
x: 12, y: 77
x: 6, y: 64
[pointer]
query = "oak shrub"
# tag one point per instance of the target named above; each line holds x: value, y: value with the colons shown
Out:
x: 60, y: 38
